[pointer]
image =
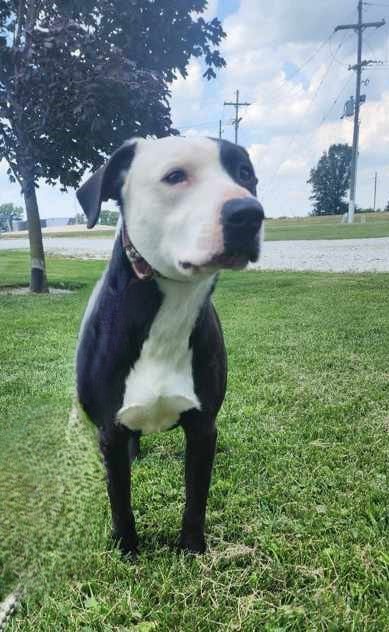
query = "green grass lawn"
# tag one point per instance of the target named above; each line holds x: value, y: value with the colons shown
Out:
x: 81, y: 234
x: 298, y: 516
x: 330, y: 227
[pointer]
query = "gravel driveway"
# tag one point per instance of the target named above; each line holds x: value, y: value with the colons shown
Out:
x: 337, y: 255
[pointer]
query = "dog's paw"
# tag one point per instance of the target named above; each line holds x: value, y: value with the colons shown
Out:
x: 192, y: 543
x: 127, y: 545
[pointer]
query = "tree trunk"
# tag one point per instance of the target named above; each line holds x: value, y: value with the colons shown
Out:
x: 38, y: 281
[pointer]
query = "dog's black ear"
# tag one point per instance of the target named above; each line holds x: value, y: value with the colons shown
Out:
x: 106, y: 182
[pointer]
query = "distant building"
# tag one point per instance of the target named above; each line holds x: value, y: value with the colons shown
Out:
x: 19, y: 224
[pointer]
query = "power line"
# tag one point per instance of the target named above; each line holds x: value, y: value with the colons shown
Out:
x: 311, y: 153
x: 298, y: 69
x: 334, y: 56
x: 197, y: 125
x: 335, y: 101
x: 317, y: 51
x: 295, y: 136
x: 376, y: 4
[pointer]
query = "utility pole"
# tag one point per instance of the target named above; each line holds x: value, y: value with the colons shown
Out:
x: 237, y: 120
x: 359, y: 28
x: 220, y: 130
x: 375, y: 189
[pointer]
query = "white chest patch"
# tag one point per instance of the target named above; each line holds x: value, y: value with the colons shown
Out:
x: 160, y: 386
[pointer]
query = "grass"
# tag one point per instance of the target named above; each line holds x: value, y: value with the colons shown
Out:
x: 299, y: 510
x: 82, y: 234
x: 330, y: 227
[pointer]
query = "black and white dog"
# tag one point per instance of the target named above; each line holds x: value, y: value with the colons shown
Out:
x: 151, y: 354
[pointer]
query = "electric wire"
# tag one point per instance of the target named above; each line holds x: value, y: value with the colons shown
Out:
x: 376, y: 4
x: 312, y: 152
x: 272, y: 95
x: 270, y: 186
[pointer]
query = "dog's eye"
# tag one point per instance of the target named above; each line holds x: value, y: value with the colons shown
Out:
x: 175, y: 177
x: 246, y: 173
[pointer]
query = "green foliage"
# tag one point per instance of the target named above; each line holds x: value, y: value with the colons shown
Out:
x: 79, y: 77
x: 109, y: 218
x: 9, y: 212
x: 386, y: 209
x: 330, y: 181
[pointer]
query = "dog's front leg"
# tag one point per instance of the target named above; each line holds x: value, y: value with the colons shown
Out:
x: 114, y: 446
x: 200, y: 451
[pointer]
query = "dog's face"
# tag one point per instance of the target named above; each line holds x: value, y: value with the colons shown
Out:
x: 188, y: 204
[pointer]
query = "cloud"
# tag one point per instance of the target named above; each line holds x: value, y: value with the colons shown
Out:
x: 295, y: 115
x: 192, y: 86
x: 293, y: 166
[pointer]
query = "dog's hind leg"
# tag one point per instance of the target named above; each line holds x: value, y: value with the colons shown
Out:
x: 114, y: 446
x: 201, y: 437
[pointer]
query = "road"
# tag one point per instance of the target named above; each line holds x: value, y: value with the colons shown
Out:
x: 337, y: 255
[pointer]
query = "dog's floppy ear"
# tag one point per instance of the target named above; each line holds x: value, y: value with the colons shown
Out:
x: 106, y: 182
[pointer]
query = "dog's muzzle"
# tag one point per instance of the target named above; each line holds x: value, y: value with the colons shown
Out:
x: 241, y: 220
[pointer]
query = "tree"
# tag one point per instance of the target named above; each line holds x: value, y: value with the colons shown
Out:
x: 109, y: 218
x: 79, y: 218
x: 9, y: 212
x: 77, y: 77
x: 330, y: 181
x: 386, y: 209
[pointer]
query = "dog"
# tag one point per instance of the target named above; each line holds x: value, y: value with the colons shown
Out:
x: 151, y: 354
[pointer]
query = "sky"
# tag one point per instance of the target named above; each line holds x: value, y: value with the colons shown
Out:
x: 287, y: 62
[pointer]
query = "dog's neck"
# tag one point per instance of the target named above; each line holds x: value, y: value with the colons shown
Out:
x: 181, y: 304
x: 182, y: 300
x: 160, y: 386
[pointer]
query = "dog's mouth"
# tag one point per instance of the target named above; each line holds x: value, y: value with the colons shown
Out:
x: 230, y: 261
x: 218, y: 262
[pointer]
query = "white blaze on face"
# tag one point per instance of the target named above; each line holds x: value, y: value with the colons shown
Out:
x: 171, y: 224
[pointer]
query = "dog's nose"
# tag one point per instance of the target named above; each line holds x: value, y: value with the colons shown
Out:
x: 241, y: 220
x: 243, y: 214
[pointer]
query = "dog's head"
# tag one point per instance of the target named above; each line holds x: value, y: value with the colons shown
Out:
x: 189, y: 204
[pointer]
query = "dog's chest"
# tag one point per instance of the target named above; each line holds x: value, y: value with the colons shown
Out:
x: 160, y: 386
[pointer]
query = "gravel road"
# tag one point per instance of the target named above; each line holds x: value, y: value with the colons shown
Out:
x: 337, y: 255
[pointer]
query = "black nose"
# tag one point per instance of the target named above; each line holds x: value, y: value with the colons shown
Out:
x: 241, y: 220
x: 243, y: 214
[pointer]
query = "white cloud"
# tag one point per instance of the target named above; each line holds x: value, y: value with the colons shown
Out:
x: 375, y: 127
x: 192, y: 86
x: 293, y: 166
x: 293, y: 117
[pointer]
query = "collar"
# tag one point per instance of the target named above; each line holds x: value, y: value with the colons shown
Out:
x: 142, y: 269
